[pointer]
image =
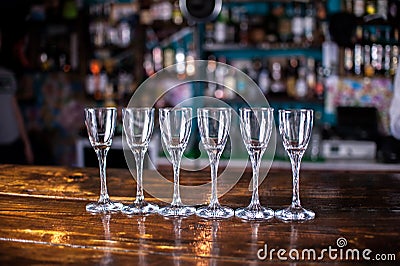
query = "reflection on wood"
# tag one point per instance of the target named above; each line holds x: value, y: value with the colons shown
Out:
x: 43, y: 219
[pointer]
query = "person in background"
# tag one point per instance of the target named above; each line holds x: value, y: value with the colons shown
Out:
x: 15, y: 146
x: 394, y: 110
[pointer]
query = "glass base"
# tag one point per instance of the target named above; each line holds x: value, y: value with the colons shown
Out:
x: 176, y: 211
x: 140, y: 208
x: 215, y: 212
x: 102, y: 207
x: 254, y: 213
x: 294, y: 214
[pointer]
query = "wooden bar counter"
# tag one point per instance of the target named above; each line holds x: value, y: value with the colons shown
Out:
x: 43, y: 221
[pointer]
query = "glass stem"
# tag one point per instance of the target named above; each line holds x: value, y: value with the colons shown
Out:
x: 176, y: 156
x: 255, y: 163
x: 214, y: 161
x: 101, y: 156
x: 295, y: 159
x: 139, y: 157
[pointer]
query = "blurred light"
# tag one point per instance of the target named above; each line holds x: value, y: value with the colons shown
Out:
x: 95, y: 67
x: 219, y: 94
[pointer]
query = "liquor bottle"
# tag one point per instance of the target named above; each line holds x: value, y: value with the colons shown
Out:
x: 348, y: 60
x: 374, y: 35
x: 211, y: 85
x: 298, y: 23
x: 358, y: 59
x: 190, y: 57
x: 359, y: 34
x: 348, y: 6
x: 319, y: 89
x: 382, y: 8
x: 220, y: 74
x: 244, y: 28
x: 148, y: 64
x: 180, y: 60
x: 309, y: 23
x: 376, y: 57
x: 101, y: 85
x: 277, y: 85
x: 209, y: 33
x: 177, y: 17
x: 263, y: 80
x: 330, y: 54
x: 230, y: 29
x: 124, y: 33
x: 394, y: 62
x: 157, y: 58
x: 311, y: 78
x: 358, y: 8
x: 229, y: 85
x: 235, y: 20
x: 220, y: 26
x: 393, y: 12
x: 256, y: 65
x: 386, y: 60
x: 322, y: 23
x: 301, y: 83
x: 368, y: 69
x: 241, y: 82
x: 98, y: 24
x: 358, y: 51
x: 291, y: 76
x: 169, y: 56
x: 284, y: 15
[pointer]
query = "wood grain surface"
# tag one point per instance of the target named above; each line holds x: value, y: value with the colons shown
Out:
x: 43, y: 220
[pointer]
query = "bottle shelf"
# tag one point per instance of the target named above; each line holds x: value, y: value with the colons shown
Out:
x: 263, y: 1
x: 236, y: 51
